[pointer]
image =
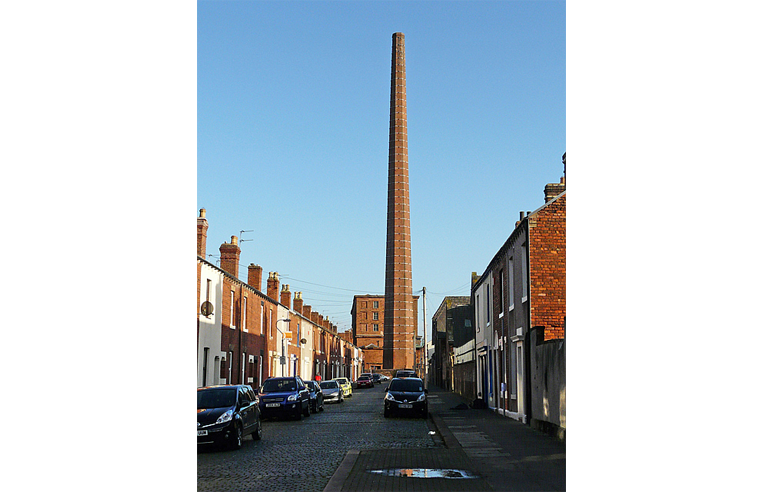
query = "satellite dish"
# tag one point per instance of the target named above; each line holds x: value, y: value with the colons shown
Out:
x: 207, y: 308
x: 304, y: 340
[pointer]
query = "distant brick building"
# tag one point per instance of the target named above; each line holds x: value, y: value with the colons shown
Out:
x: 367, y: 317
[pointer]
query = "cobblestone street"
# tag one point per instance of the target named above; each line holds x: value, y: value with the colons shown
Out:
x: 303, y: 455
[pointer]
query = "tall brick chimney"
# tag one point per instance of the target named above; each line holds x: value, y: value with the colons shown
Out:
x: 273, y: 285
x: 285, y: 296
x: 203, y: 226
x: 307, y: 313
x: 298, y: 303
x: 398, y: 322
x: 230, y: 253
x: 255, y: 276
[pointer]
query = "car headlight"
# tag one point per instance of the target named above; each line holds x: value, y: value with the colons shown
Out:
x: 390, y: 397
x: 422, y: 397
x: 292, y: 397
x: 225, y: 417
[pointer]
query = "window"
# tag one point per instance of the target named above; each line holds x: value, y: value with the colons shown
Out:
x: 488, y: 306
x: 270, y: 323
x: 501, y: 292
x: 524, y: 272
x: 261, y: 319
x: 375, y: 316
x: 243, y: 314
x: 375, y: 304
x: 478, y: 311
x: 298, y: 334
x: 232, y: 309
x: 375, y: 327
x: 510, y: 281
x: 208, y: 288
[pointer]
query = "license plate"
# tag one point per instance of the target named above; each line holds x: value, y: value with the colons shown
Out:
x: 272, y: 405
x: 203, y: 433
x: 405, y: 405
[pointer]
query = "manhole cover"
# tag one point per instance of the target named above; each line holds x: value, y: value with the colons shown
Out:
x: 425, y: 473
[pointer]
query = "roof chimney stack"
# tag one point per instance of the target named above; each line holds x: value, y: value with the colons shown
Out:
x: 230, y: 253
x: 203, y: 226
x: 273, y: 285
x: 298, y: 303
x: 255, y: 276
x: 285, y: 296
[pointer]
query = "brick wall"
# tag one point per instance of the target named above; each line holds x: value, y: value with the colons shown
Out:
x: 547, y: 267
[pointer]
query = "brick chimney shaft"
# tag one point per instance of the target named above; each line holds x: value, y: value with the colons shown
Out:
x: 398, y: 321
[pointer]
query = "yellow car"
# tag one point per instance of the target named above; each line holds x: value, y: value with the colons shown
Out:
x: 345, y: 386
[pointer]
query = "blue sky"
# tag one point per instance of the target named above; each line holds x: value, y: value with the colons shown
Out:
x: 293, y: 118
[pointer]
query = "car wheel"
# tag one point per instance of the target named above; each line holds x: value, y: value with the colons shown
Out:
x: 322, y: 406
x: 257, y: 436
x: 306, y: 410
x: 237, y: 439
x: 386, y: 413
x: 299, y: 414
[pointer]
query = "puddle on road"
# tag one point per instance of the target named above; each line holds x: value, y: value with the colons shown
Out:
x: 425, y: 473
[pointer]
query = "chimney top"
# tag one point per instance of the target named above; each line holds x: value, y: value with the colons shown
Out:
x: 285, y: 288
x: 202, y: 213
x: 234, y: 240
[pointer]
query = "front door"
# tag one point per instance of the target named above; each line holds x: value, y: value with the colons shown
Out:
x: 519, y: 373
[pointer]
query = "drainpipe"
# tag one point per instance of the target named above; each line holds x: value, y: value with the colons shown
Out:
x: 527, y: 352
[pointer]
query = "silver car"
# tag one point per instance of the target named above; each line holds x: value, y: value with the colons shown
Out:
x: 332, y: 392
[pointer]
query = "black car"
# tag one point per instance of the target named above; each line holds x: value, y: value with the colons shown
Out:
x: 226, y: 414
x: 316, y: 400
x: 406, y: 373
x: 406, y: 395
x: 284, y: 397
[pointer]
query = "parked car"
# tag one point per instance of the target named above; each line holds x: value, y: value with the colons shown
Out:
x: 345, y: 385
x: 406, y: 395
x: 316, y: 399
x: 226, y: 414
x: 384, y: 378
x: 377, y: 378
x: 332, y: 392
x: 284, y: 397
x: 365, y: 381
x: 406, y: 373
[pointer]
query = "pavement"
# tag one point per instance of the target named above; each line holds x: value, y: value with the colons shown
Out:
x: 476, y: 450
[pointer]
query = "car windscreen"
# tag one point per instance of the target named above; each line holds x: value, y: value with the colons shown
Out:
x: 279, y: 385
x: 216, y: 398
x: 408, y: 385
x: 310, y: 384
x: 329, y: 385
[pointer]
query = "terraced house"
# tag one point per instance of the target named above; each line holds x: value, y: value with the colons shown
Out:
x: 245, y: 335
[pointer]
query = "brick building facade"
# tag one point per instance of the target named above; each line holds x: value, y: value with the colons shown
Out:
x: 367, y: 328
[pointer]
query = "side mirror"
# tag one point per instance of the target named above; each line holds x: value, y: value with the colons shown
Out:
x: 256, y: 392
x: 426, y: 391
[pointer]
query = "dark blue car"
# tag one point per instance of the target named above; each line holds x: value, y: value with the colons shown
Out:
x: 226, y: 414
x: 284, y: 397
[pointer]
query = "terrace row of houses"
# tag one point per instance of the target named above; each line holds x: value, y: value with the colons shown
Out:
x: 245, y: 335
x: 504, y: 346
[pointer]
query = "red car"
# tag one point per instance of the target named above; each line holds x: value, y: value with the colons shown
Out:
x: 365, y: 381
